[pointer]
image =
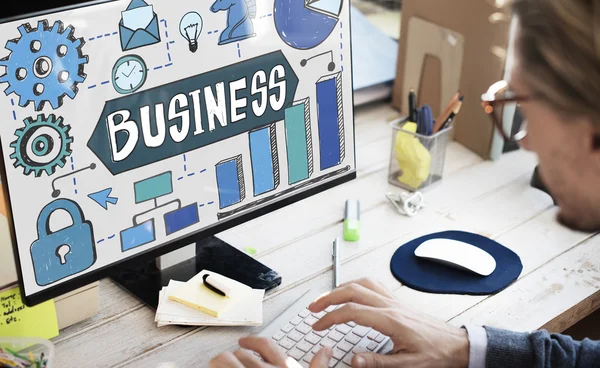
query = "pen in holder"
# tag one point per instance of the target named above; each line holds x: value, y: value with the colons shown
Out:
x: 416, y: 160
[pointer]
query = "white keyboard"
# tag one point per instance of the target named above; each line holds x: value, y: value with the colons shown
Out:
x: 294, y: 335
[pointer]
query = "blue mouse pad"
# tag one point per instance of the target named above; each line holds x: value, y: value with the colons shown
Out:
x: 424, y: 275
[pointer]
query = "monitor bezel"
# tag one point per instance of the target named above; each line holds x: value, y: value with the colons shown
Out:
x: 175, y: 244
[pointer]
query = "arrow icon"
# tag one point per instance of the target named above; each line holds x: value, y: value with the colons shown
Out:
x: 102, y: 198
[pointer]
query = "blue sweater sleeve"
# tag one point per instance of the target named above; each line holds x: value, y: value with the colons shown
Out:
x: 539, y: 349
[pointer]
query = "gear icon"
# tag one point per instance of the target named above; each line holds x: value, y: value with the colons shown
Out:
x: 44, y: 65
x: 42, y: 145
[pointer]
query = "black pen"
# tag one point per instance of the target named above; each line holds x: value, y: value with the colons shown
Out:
x: 412, y: 106
x: 216, y: 288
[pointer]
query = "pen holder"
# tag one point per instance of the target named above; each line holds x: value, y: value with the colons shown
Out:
x: 416, y: 160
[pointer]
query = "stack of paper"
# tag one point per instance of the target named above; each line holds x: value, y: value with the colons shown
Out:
x: 192, y: 303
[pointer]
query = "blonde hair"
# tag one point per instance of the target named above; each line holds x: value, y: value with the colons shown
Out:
x: 558, y: 47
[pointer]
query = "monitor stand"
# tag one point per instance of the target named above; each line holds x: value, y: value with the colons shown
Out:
x: 145, y: 279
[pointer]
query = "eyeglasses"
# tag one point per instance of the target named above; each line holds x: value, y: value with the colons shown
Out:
x: 499, y: 99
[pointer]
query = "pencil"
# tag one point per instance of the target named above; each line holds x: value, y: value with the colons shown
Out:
x: 445, y: 113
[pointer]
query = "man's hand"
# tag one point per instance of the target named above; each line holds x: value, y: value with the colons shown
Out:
x: 272, y: 356
x: 419, y: 341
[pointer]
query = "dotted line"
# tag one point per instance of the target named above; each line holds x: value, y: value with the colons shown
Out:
x: 266, y: 15
x: 74, y: 179
x: 341, y: 47
x: 103, y: 35
x: 101, y: 240
x: 12, y: 102
x: 239, y: 51
x: 207, y: 204
x: 211, y: 32
x: 185, y: 169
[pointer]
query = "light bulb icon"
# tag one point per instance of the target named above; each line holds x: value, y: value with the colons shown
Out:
x: 190, y: 28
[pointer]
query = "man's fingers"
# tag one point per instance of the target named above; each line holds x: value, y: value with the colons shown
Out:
x: 369, y: 360
x: 350, y: 293
x: 321, y: 359
x: 373, y: 285
x: 225, y: 360
x: 248, y: 359
x: 376, y: 318
x: 265, y: 347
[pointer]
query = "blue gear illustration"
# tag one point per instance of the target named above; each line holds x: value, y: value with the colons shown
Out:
x: 42, y: 145
x: 44, y: 65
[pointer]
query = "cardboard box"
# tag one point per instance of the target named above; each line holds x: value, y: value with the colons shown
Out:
x: 484, y: 29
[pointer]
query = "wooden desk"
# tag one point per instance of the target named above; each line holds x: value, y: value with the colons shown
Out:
x: 558, y: 286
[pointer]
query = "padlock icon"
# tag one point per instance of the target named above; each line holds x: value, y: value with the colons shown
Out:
x: 64, y: 252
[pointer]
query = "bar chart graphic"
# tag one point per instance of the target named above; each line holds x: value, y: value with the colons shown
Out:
x: 264, y: 158
x: 230, y: 181
x: 298, y: 139
x: 330, y: 120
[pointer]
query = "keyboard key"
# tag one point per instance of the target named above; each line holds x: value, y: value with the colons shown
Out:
x: 348, y: 358
x: 296, y: 320
x: 296, y: 353
x: 345, y: 346
x: 322, y: 333
x: 332, y: 327
x: 380, y: 338
x: 338, y: 354
x: 305, y: 313
x: 287, y: 328
x: 372, y: 334
x: 344, y: 329
x: 287, y: 343
x: 361, y: 331
x: 351, y: 324
x: 353, y: 339
x: 305, y: 346
x: 316, y: 349
x: 295, y: 335
x: 332, y: 362
x: 303, y: 328
x: 310, y: 320
x: 335, y: 336
x: 279, y: 335
x: 319, y: 315
x: 342, y: 365
x: 309, y: 357
x: 312, y: 338
x: 372, y: 346
x: 328, y: 342
x: 359, y: 349
x: 330, y: 309
x: 304, y: 364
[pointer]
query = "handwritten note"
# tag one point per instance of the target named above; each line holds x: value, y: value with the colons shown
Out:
x: 16, y: 319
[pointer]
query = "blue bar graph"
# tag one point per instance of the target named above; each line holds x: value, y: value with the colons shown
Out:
x: 330, y: 120
x: 265, y: 160
x: 298, y: 138
x: 230, y: 181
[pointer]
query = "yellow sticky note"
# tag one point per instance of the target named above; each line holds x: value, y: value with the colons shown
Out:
x: 16, y: 319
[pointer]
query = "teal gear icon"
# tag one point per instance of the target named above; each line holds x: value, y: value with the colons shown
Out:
x: 42, y: 145
x: 44, y: 65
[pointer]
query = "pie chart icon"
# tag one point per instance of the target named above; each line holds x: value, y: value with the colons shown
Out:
x: 304, y: 24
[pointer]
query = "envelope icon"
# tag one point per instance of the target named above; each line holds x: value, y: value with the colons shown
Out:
x: 138, y: 26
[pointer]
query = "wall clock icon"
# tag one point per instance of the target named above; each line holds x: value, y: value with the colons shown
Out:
x: 129, y: 74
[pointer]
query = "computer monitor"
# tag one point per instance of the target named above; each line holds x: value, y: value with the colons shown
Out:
x: 133, y: 128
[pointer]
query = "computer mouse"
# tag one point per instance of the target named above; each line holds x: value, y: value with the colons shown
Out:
x: 457, y: 254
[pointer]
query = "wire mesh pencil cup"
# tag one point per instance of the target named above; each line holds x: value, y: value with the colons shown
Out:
x: 416, y: 160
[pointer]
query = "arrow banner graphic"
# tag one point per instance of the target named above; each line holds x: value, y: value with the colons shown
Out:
x: 165, y: 121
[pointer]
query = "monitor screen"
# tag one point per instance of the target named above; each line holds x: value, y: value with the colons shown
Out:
x: 131, y: 126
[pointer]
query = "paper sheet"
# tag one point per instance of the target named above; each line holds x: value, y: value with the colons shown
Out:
x: 18, y: 320
x: 247, y: 313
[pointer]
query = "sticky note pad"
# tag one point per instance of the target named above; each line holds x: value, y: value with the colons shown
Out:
x: 18, y: 320
x: 196, y: 295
